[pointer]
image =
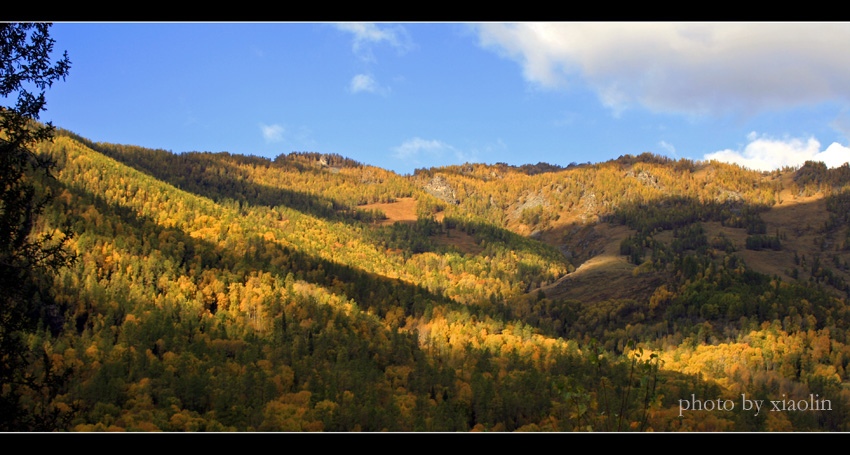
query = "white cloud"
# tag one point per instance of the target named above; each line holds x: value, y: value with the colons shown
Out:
x: 692, y: 68
x: 368, y: 33
x: 764, y: 153
x: 366, y: 83
x: 835, y: 155
x: 412, y: 148
x: 272, y: 133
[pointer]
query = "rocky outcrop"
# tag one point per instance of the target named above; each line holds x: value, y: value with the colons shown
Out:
x: 645, y: 178
x: 439, y: 187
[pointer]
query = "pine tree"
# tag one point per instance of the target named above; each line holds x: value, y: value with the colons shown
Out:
x: 25, y: 65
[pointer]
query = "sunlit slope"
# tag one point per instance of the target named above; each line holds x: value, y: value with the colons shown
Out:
x: 314, y: 218
x: 503, y: 299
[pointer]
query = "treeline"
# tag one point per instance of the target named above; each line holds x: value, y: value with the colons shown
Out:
x: 296, y: 180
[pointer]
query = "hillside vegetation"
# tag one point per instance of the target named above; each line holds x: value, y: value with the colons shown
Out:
x: 219, y: 292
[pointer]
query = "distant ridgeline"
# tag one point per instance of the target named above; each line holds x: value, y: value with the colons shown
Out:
x: 322, y: 159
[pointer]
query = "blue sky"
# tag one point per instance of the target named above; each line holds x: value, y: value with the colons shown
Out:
x: 410, y: 95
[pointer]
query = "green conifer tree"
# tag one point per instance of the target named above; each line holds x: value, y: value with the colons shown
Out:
x: 26, y: 71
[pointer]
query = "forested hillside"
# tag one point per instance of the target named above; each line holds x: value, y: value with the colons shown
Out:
x: 219, y: 292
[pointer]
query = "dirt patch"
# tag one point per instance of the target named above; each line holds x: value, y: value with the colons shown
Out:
x: 402, y: 210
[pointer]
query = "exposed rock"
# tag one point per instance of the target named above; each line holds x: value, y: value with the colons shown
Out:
x: 645, y: 178
x: 728, y: 196
x: 588, y: 207
x: 439, y: 187
x: 532, y: 201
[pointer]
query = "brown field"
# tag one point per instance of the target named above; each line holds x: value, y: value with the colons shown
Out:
x: 402, y: 210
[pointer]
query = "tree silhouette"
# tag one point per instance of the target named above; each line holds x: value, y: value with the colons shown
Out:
x: 26, y: 71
